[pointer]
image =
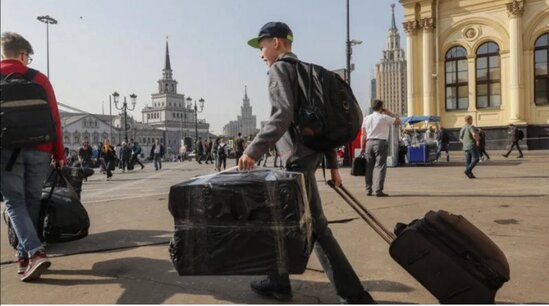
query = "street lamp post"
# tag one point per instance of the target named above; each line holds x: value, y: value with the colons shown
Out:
x: 349, y: 47
x: 349, y: 50
x: 201, y: 102
x: 124, y: 108
x: 47, y: 20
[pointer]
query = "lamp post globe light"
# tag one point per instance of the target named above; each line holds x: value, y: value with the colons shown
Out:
x: 196, y: 111
x: 47, y: 20
x: 124, y: 108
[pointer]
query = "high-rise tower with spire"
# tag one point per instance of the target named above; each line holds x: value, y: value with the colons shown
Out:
x: 246, y: 123
x: 391, y: 72
x: 170, y: 113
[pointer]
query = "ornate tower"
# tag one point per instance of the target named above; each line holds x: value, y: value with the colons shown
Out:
x: 391, y: 72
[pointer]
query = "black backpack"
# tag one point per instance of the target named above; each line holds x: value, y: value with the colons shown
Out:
x: 328, y: 114
x: 520, y: 135
x: 25, y: 116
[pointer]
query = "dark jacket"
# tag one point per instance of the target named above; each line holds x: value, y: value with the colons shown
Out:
x: 126, y: 153
x: 161, y: 150
x: 107, y: 155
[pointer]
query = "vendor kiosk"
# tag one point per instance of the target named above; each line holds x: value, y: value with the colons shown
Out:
x: 421, y: 152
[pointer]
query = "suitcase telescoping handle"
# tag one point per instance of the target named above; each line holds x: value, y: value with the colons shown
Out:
x: 364, y: 213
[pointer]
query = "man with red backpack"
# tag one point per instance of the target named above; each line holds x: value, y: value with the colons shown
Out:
x: 25, y: 168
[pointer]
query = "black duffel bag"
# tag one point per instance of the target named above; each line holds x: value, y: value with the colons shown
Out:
x: 62, y: 216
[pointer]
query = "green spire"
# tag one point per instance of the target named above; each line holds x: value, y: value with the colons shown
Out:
x: 393, y: 23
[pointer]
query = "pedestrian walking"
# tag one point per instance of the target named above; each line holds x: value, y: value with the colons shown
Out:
x: 126, y: 155
x: 239, y: 147
x: 157, y: 153
x: 183, y: 152
x: 276, y: 157
x: 136, y: 151
x: 222, y: 153
x: 275, y: 43
x: 443, y: 141
x: 514, y: 136
x: 199, y: 150
x: 108, y: 155
x: 85, y: 154
x: 483, y: 155
x: 468, y: 135
x: 23, y: 171
x: 374, y: 145
x: 209, y: 148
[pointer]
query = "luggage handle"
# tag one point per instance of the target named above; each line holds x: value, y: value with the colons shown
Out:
x: 364, y: 213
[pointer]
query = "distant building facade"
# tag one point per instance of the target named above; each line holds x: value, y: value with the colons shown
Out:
x: 246, y: 122
x: 170, y: 112
x: 484, y: 58
x: 390, y: 83
x: 95, y: 128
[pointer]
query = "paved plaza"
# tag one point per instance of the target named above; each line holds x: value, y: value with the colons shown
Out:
x: 125, y: 258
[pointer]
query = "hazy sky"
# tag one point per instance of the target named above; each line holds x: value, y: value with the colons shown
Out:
x: 101, y: 46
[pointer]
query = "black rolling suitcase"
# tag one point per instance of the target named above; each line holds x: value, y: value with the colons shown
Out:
x: 447, y: 254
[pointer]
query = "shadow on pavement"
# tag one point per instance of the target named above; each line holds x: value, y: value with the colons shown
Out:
x: 461, y: 163
x: 467, y: 195
x: 109, y: 241
x: 154, y: 281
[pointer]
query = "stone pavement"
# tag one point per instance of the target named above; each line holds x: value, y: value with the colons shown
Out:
x: 125, y: 258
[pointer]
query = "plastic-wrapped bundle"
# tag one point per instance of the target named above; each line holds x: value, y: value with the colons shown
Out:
x: 241, y: 223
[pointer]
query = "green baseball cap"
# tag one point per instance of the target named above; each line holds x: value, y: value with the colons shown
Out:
x: 272, y: 29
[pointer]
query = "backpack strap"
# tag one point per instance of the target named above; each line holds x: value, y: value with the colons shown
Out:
x: 13, y: 157
x: 31, y: 73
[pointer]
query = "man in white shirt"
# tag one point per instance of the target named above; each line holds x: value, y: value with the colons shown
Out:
x: 375, y: 133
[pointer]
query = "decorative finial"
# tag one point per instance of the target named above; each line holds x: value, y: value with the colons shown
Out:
x: 393, y: 22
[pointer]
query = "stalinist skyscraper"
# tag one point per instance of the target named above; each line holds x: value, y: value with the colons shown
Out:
x: 391, y: 72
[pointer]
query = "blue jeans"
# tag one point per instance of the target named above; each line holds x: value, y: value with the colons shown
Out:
x: 471, y: 159
x: 157, y: 161
x: 22, y: 189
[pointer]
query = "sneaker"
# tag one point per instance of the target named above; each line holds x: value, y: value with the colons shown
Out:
x: 142, y: 167
x: 381, y: 194
x: 365, y: 298
x: 22, y: 264
x: 469, y: 174
x: 369, y: 193
x: 38, y: 264
x: 520, y: 156
x: 265, y: 287
x: 504, y: 155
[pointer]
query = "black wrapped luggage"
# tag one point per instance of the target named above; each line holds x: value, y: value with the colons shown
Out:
x: 241, y: 223
x: 447, y: 254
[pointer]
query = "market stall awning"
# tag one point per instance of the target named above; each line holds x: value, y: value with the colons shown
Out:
x: 416, y: 119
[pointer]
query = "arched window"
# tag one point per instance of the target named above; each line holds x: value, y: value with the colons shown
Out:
x: 76, y: 136
x: 67, y: 138
x: 457, y: 89
x: 488, y: 76
x: 541, y: 70
x: 95, y: 138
